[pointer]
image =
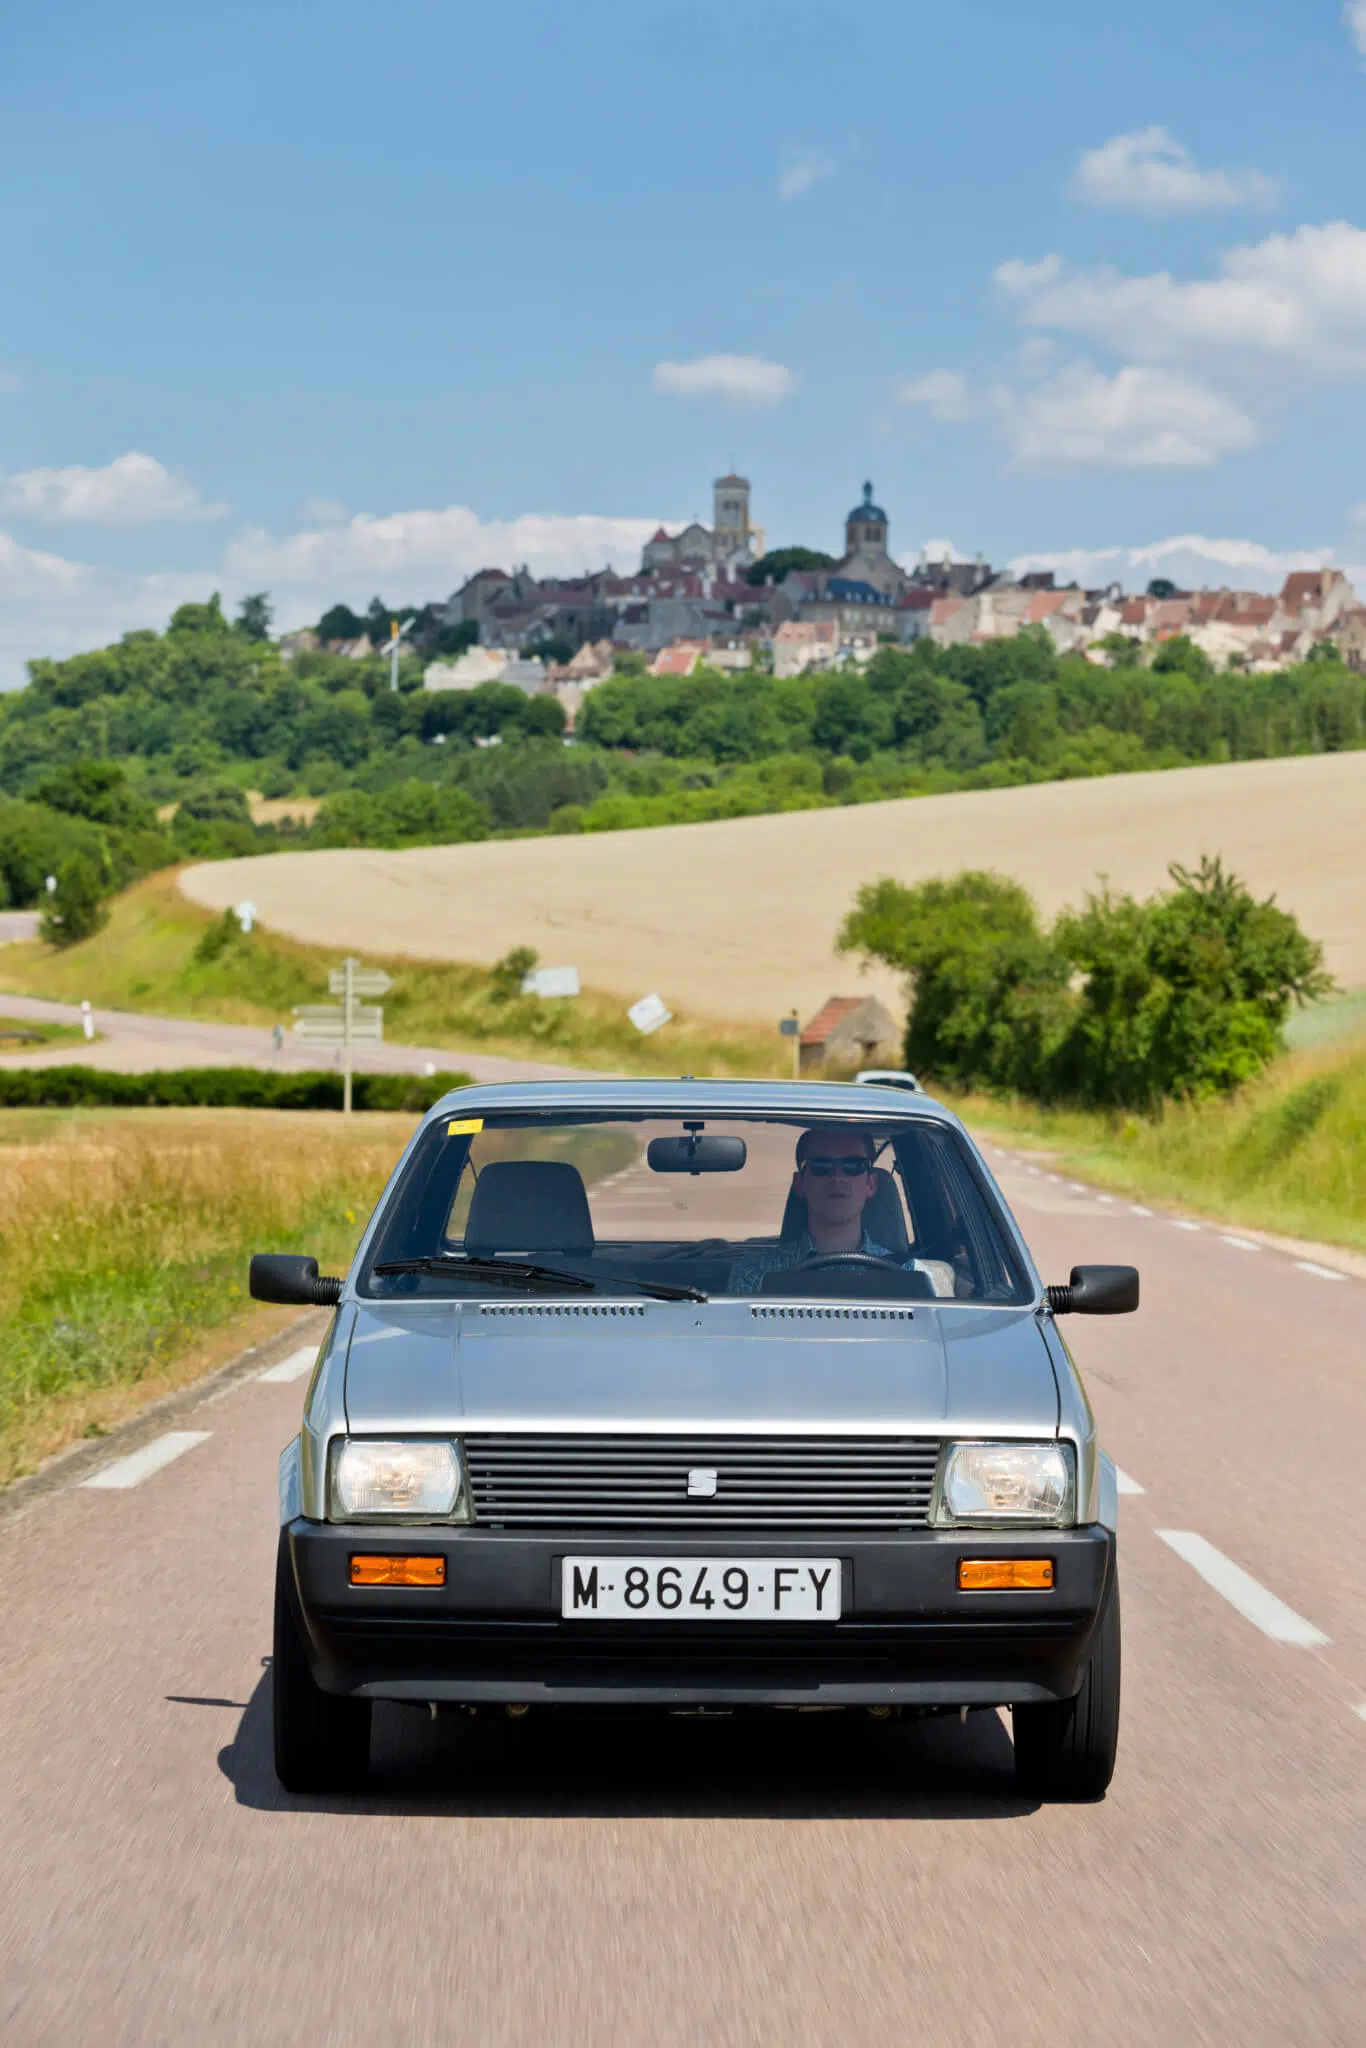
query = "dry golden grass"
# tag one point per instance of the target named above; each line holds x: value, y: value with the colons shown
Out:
x: 737, y: 919
x: 124, y: 1237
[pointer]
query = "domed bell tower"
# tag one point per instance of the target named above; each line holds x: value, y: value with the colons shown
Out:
x: 865, y: 530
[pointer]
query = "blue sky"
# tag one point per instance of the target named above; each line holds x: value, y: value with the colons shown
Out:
x: 333, y: 299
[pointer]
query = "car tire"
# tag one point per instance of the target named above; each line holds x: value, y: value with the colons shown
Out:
x: 1065, y: 1749
x: 322, y: 1741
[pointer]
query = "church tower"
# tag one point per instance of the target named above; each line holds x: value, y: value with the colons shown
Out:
x: 730, y: 500
x: 865, y: 530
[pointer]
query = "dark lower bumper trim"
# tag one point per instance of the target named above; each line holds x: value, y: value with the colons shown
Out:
x: 493, y: 1632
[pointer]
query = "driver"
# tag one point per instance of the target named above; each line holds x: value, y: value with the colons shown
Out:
x: 835, y: 1179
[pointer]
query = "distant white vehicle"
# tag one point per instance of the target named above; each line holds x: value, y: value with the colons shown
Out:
x: 888, y: 1077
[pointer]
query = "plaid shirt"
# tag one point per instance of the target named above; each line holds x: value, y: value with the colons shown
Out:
x: 746, y: 1273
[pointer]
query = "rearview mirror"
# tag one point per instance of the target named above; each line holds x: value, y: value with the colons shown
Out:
x: 1096, y: 1291
x: 292, y: 1279
x: 696, y: 1152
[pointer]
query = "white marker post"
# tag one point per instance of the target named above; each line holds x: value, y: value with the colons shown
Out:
x: 87, y: 1021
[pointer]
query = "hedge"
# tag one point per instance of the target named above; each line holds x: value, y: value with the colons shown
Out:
x: 218, y: 1088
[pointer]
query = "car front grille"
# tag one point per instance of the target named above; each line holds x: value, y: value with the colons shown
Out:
x: 642, y: 1482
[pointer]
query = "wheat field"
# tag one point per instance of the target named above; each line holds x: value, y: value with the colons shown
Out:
x: 737, y: 919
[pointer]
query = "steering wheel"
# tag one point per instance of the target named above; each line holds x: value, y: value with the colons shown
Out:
x: 822, y: 1262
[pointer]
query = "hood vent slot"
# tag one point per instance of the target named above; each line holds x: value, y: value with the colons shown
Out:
x: 785, y: 1313
x: 599, y: 1309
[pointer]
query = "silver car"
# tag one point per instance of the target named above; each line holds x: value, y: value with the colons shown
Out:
x: 696, y: 1394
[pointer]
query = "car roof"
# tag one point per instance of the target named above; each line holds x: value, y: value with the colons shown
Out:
x: 842, y: 1099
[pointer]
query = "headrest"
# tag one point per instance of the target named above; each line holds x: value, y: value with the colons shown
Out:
x: 529, y: 1205
x: 884, y: 1219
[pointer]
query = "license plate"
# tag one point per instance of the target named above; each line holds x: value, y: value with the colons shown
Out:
x: 700, y: 1589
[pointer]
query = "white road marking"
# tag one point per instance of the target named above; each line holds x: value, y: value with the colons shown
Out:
x: 1240, y: 1244
x: 1137, y: 1209
x: 1252, y: 1600
x: 1319, y: 1272
x: 1105, y: 1198
x: 1077, y: 1188
x: 1361, y: 1710
x: 1056, y: 1179
x: 292, y: 1368
x: 140, y: 1465
x: 1124, y: 1484
x: 1180, y: 1223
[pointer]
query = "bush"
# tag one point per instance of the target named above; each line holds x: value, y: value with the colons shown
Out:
x: 218, y: 1088
x: 75, y: 910
x: 507, y: 975
x: 1122, y: 1005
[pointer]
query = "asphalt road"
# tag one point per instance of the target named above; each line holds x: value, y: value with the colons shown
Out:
x: 814, y: 1880
x: 134, y: 1043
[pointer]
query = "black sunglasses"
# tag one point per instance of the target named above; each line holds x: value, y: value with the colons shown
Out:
x: 850, y: 1165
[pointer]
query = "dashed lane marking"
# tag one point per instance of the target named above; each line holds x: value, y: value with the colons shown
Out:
x: 1124, y: 1484
x: 1137, y: 1209
x: 1105, y: 1198
x: 292, y: 1368
x: 1240, y: 1244
x: 1076, y: 1188
x: 1181, y: 1223
x: 1319, y: 1272
x: 1361, y: 1710
x: 1242, y: 1591
x: 140, y: 1465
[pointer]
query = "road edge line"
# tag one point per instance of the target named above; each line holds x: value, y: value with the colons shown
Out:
x: 78, y: 1460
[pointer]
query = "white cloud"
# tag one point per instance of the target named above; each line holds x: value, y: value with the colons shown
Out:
x: 742, y: 380
x: 1294, y: 300
x: 1354, y: 20
x: 1149, y: 171
x: 805, y: 168
x: 1140, y: 418
x: 945, y: 392
x: 322, y: 512
x: 50, y: 605
x: 1191, y: 561
x: 133, y: 490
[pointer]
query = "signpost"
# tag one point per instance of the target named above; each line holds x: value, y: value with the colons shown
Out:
x: 648, y: 1014
x: 790, y: 1027
x: 349, y: 1023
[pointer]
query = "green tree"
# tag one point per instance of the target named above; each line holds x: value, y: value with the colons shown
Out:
x: 339, y: 622
x: 772, y: 568
x: 988, y: 989
x: 75, y: 910
x: 254, y: 615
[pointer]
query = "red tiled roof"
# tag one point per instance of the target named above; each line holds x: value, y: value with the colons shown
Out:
x: 827, y: 1017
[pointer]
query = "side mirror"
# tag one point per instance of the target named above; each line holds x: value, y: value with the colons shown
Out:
x: 1096, y: 1291
x: 290, y: 1278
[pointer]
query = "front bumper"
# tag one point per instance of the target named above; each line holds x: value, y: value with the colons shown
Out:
x: 493, y: 1632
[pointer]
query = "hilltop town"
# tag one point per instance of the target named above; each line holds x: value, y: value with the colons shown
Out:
x: 712, y: 597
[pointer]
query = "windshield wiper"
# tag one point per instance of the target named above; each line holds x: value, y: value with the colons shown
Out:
x: 532, y: 1279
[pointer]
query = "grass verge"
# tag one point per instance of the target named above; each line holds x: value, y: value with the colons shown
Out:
x: 1287, y: 1155
x: 124, y: 1238
x: 159, y: 952
x: 17, y: 1033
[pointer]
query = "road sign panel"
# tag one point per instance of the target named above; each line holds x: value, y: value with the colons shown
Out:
x: 365, y: 981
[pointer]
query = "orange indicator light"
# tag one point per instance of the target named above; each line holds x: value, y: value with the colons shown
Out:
x: 398, y: 1571
x: 1004, y: 1574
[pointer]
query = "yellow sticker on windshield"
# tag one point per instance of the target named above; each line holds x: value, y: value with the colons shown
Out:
x: 464, y: 1127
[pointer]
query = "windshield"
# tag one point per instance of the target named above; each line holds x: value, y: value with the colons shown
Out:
x: 879, y: 1208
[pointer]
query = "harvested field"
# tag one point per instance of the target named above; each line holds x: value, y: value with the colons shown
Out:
x: 737, y: 919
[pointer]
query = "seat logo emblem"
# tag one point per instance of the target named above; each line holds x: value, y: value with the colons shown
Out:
x: 702, y: 1483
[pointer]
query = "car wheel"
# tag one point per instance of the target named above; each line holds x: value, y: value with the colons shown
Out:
x: 1065, y: 1749
x: 322, y: 1742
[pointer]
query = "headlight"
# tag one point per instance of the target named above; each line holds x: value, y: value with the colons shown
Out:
x: 419, y: 1480
x: 990, y: 1483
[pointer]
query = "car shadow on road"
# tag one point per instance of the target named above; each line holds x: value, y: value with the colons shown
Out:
x: 560, y: 1764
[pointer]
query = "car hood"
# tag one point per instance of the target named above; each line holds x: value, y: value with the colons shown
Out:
x: 725, y: 1365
